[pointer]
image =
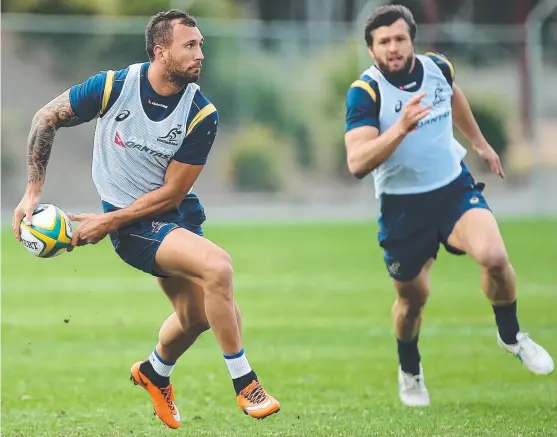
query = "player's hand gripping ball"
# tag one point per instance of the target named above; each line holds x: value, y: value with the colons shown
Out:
x: 50, y: 231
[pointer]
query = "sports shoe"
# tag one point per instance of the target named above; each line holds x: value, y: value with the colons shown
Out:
x: 412, y: 390
x: 534, y: 357
x: 255, y: 402
x: 163, y: 398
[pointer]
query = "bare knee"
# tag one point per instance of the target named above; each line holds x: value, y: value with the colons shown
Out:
x: 494, y: 259
x: 411, y: 300
x: 218, y: 274
x: 411, y: 308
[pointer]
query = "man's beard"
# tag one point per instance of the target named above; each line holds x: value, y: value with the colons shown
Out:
x: 179, y: 76
x: 403, y: 72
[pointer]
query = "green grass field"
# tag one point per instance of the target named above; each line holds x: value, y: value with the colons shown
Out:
x: 316, y: 301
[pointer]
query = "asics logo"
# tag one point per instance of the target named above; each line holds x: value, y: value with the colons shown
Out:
x: 123, y: 115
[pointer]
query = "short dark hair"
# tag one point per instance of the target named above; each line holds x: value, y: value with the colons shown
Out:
x: 159, y: 28
x: 387, y: 15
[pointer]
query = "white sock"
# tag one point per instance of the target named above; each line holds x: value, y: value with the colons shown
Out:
x: 237, y: 364
x: 161, y: 367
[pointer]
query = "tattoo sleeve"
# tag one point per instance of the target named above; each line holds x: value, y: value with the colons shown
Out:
x: 54, y: 115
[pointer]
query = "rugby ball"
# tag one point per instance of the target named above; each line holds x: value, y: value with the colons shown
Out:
x: 50, y: 231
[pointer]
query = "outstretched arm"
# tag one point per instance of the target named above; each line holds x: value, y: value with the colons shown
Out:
x: 54, y: 115
x: 79, y: 104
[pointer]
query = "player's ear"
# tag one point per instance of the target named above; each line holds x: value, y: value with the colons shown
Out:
x: 370, y: 50
x: 160, y: 53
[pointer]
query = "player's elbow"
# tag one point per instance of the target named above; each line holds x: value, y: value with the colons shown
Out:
x: 44, y: 118
x: 357, y: 168
x: 353, y: 163
x: 173, y: 196
x: 359, y: 159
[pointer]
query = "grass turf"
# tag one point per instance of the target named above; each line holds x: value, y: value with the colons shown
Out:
x: 316, y: 302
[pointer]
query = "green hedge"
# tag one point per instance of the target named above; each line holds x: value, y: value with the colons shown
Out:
x: 491, y: 119
x: 257, y: 160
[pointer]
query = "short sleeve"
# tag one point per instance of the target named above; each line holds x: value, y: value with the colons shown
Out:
x: 86, y: 97
x: 444, y: 65
x: 361, y: 105
x: 198, y: 142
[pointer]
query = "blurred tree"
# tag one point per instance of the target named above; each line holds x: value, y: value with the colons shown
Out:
x: 275, y: 10
x: 12, y: 124
x: 201, y: 8
x: 256, y: 159
x: 214, y: 8
x: 139, y: 7
x: 57, y: 7
x: 116, y: 51
x: 247, y: 84
x: 6, y: 166
x: 502, y: 11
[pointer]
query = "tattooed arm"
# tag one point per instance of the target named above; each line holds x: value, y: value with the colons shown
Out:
x: 54, y: 115
x: 80, y: 104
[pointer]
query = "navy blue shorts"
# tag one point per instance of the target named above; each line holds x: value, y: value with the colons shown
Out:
x: 412, y: 226
x: 137, y: 243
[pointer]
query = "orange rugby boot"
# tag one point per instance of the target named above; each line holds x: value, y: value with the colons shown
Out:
x: 162, y: 398
x: 256, y: 402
